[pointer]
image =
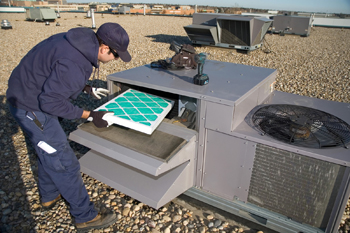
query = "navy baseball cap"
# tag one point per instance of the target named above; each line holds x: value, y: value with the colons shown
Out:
x: 113, y: 35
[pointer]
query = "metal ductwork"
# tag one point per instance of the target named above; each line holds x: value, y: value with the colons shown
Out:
x: 230, y: 31
x: 40, y: 14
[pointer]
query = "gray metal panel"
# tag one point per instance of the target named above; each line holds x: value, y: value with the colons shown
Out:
x: 202, y: 34
x: 154, y: 191
x: 341, y: 203
x: 205, y: 18
x: 338, y: 155
x: 34, y: 14
x: 236, y: 18
x: 297, y: 25
x: 228, y: 82
x: 219, y: 117
x: 48, y: 14
x: 202, y: 137
x: 258, y: 33
x: 228, y: 166
x: 140, y: 161
x: 257, y: 95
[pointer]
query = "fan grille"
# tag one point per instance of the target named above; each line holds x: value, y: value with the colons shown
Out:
x: 301, y: 126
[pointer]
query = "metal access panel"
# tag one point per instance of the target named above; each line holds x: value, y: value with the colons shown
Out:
x: 202, y: 34
x: 296, y: 25
x: 152, y: 169
x: 205, y: 18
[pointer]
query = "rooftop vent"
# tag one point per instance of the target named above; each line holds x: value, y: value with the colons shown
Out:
x: 5, y: 24
x: 302, y: 126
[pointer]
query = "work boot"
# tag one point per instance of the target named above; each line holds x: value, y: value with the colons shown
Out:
x: 100, y: 221
x: 48, y: 205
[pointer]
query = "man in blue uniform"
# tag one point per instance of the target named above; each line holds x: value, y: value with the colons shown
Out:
x: 39, y: 91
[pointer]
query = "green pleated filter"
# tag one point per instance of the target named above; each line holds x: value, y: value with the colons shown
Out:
x: 137, y: 110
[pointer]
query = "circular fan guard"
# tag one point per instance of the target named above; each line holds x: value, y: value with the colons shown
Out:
x: 301, y: 126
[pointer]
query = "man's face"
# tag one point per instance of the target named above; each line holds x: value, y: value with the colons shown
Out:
x: 105, y: 54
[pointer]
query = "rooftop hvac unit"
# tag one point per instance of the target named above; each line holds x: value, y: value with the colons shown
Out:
x: 230, y: 31
x: 41, y: 14
x: 296, y: 25
x: 278, y: 159
x: 124, y: 9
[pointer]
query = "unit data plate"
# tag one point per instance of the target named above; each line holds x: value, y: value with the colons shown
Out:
x: 137, y: 110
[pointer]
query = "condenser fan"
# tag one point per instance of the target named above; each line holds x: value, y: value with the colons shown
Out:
x: 301, y: 126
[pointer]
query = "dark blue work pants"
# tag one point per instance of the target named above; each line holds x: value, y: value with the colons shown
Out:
x: 58, y: 172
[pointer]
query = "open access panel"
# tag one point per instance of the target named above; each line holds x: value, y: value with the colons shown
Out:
x: 207, y: 148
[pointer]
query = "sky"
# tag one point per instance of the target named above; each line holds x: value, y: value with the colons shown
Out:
x: 326, y: 6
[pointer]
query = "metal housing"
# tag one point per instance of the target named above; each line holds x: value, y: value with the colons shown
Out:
x: 41, y: 14
x: 226, y: 162
x: 295, y: 25
x: 230, y: 31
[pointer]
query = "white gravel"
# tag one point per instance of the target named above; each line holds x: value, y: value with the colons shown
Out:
x: 316, y: 66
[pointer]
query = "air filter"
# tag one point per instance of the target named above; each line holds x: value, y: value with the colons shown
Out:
x: 137, y: 110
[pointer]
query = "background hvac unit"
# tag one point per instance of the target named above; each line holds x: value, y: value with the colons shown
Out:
x: 230, y: 31
x: 124, y: 9
x: 296, y: 25
x: 41, y: 14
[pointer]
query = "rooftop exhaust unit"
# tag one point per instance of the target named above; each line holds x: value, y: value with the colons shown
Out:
x: 293, y: 25
x: 278, y: 159
x: 5, y: 24
x: 41, y: 14
x: 229, y: 31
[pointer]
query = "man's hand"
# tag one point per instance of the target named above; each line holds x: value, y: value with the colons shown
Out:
x: 98, y: 118
x: 95, y: 92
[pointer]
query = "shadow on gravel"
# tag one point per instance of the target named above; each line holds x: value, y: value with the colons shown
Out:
x: 163, y: 38
x: 17, y: 164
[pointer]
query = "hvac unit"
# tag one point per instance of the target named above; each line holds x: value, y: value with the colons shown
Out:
x: 295, y: 25
x: 124, y: 9
x: 278, y: 159
x: 40, y: 14
x: 230, y: 31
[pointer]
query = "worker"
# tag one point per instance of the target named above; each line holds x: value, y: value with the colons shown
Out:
x: 39, y: 92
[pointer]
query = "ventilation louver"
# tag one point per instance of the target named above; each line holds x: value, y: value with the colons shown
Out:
x: 301, y: 126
